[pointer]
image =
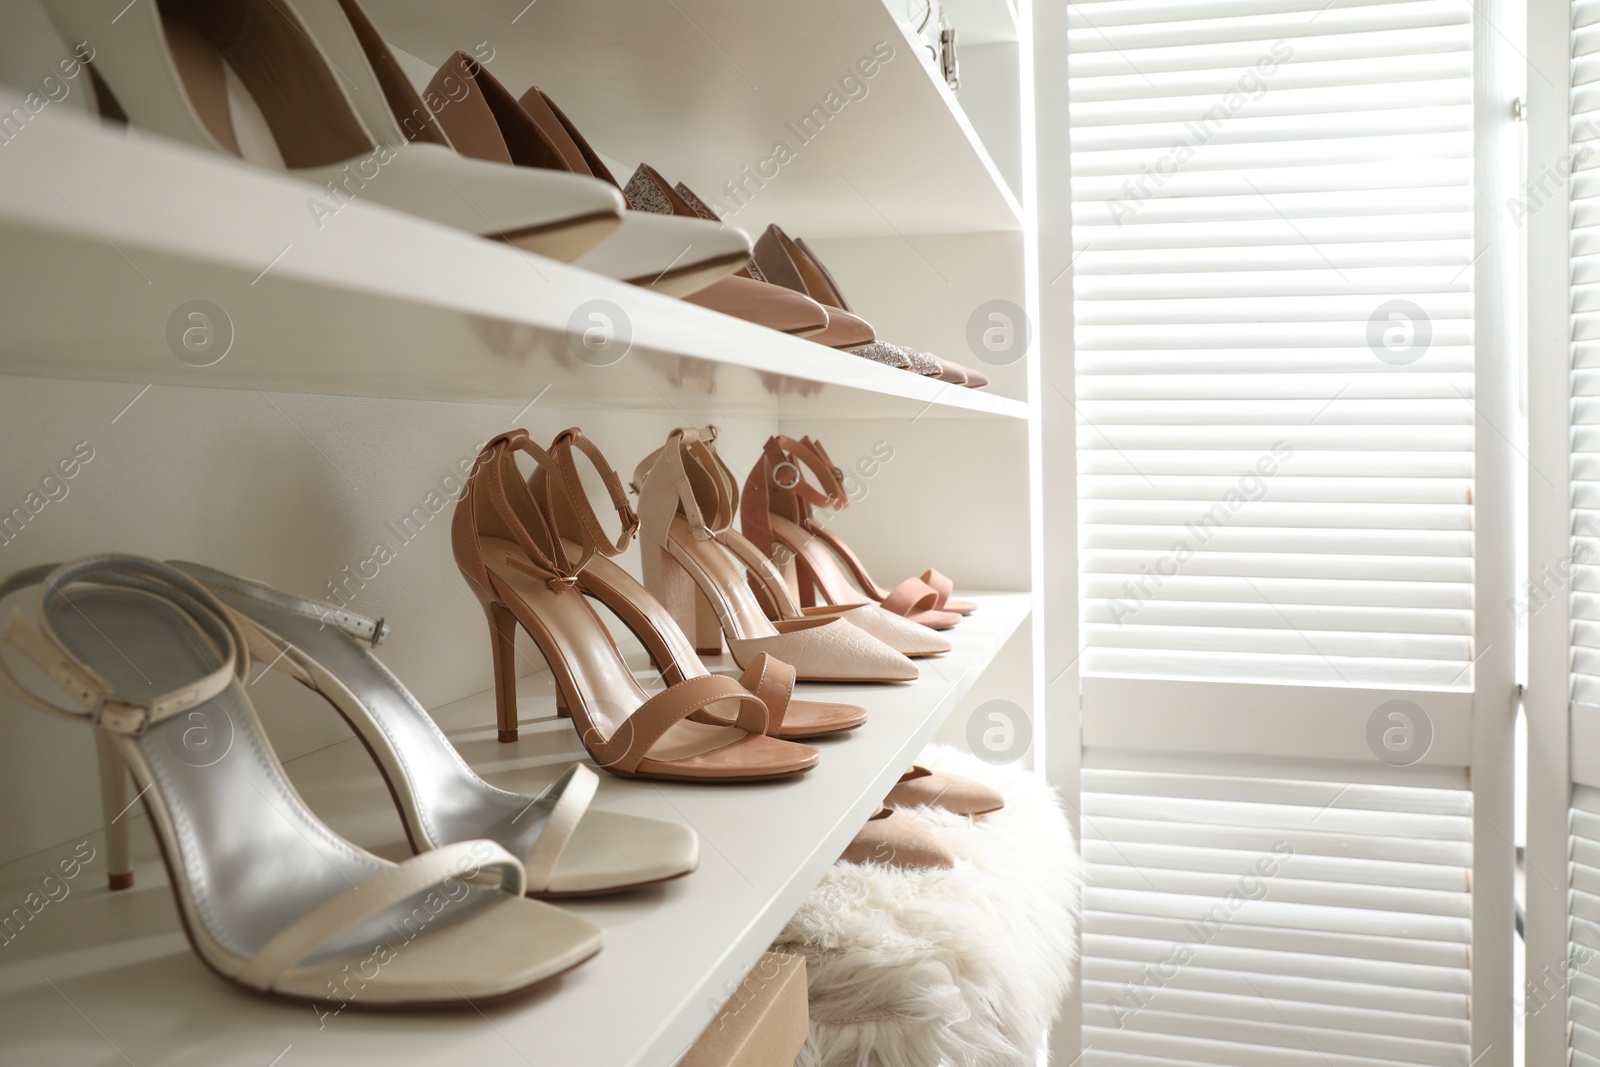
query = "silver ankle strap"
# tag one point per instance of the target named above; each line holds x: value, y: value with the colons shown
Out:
x: 357, y: 626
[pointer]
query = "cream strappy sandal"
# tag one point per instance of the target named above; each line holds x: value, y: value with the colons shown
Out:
x: 696, y: 565
x: 271, y: 898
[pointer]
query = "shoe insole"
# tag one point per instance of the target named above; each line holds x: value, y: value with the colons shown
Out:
x: 253, y: 857
x: 836, y: 585
x: 575, y: 643
x: 679, y: 649
x: 453, y: 802
x: 721, y: 576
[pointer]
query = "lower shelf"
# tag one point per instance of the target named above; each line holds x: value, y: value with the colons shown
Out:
x: 97, y: 978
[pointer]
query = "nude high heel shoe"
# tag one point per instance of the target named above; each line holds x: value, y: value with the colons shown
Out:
x: 251, y: 79
x: 521, y: 571
x: 692, y: 564
x: 777, y: 515
x: 670, y: 649
x: 270, y: 897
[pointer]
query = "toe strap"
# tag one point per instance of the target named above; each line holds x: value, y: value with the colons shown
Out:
x: 628, y: 747
x: 772, y: 681
x: 911, y: 597
x: 573, y: 793
x: 464, y: 861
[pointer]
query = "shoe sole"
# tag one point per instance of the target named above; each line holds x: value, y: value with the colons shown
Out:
x: 339, y: 1005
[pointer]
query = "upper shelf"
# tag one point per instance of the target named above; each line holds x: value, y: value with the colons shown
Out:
x: 108, y: 235
x: 715, y: 93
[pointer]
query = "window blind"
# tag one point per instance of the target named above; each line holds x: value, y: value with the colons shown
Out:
x: 1273, y: 251
x: 1585, y: 275
x: 1274, y: 922
x: 1579, y: 974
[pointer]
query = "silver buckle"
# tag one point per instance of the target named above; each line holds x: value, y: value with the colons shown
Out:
x: 380, y: 630
x: 701, y: 532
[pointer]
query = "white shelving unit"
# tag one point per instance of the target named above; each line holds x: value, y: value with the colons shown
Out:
x: 370, y: 355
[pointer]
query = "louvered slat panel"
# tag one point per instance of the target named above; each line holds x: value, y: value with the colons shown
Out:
x: 1265, y: 493
x: 1272, y: 921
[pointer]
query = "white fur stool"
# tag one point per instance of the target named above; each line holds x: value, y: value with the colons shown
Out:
x: 964, y: 966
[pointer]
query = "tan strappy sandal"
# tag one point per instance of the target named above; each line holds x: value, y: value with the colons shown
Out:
x: 522, y: 573
x: 777, y: 516
x: 696, y: 565
x: 672, y: 653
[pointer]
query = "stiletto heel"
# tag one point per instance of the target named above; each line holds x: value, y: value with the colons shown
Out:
x: 503, y: 637
x: 270, y: 897
x: 567, y: 848
x: 508, y: 547
x: 114, y: 802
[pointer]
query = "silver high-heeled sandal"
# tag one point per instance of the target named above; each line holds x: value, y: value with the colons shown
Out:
x: 271, y: 898
x: 568, y: 848
x: 249, y: 79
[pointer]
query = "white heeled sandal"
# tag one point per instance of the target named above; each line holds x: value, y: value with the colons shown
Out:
x: 270, y: 897
x: 567, y: 848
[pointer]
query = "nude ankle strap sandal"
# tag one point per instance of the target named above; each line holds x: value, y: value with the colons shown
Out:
x: 567, y: 847
x: 697, y: 565
x: 778, y: 515
x: 270, y: 897
x: 527, y: 576
x: 671, y: 651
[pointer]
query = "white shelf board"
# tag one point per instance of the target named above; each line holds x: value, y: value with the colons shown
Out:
x: 107, y: 234
x: 704, y: 90
x: 123, y: 973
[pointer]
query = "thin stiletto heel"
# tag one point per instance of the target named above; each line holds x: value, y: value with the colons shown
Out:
x: 503, y: 637
x: 114, y: 802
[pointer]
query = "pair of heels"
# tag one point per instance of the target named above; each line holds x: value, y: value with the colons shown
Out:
x: 156, y: 657
x: 266, y: 81
x: 790, y: 263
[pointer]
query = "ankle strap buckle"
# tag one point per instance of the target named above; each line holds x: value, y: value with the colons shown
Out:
x: 701, y: 532
x: 559, y: 582
x: 122, y: 717
x: 380, y: 630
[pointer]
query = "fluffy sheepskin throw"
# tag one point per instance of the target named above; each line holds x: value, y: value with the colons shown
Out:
x: 965, y: 967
